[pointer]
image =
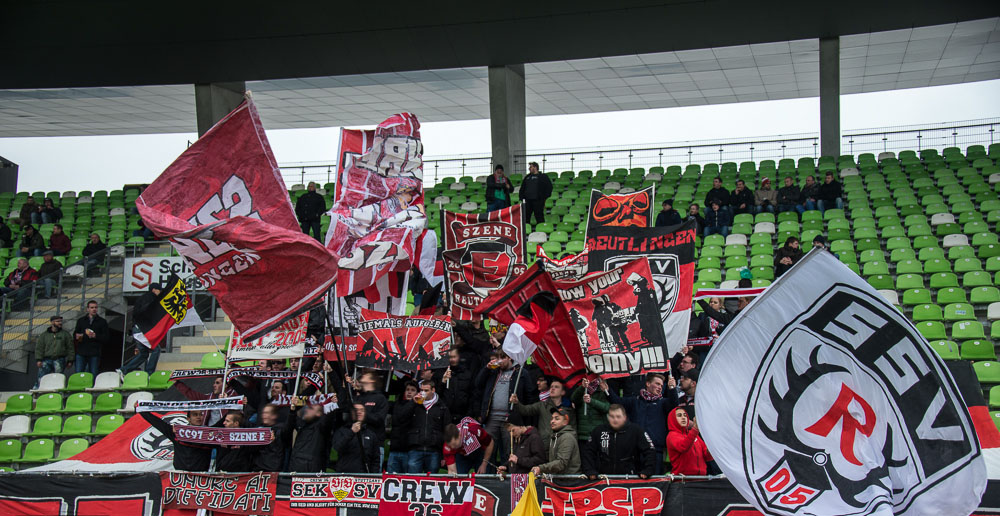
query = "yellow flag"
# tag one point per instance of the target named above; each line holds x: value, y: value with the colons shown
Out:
x: 528, y: 505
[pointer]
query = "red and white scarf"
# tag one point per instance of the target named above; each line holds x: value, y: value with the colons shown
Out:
x: 648, y: 396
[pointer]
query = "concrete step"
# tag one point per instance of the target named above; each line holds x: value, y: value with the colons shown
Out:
x: 171, y: 361
x: 220, y: 325
x: 197, y: 344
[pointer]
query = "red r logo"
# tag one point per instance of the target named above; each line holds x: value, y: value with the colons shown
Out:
x: 851, y: 425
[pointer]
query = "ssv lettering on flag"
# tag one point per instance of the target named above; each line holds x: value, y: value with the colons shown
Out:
x: 223, y: 206
x: 848, y: 412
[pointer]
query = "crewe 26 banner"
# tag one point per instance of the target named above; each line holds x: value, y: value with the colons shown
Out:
x: 425, y: 496
x: 403, y: 343
x: 482, y: 252
x: 378, y: 213
x: 621, y: 210
x: 223, y: 206
x: 848, y: 411
x: 670, y: 251
x: 617, y: 320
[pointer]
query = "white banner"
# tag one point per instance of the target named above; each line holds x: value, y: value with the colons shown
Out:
x: 822, y: 398
x: 141, y: 272
x: 285, y: 341
x: 230, y: 403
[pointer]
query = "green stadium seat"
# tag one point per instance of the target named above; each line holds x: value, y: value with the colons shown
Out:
x: 915, y: 296
x: 959, y: 312
x: 135, y: 381
x: 932, y: 330
x: 995, y: 330
x: 716, y: 240
x: 738, y: 261
x: 76, y: 425
x: 984, y: 295
x: 976, y: 279
x: 994, y: 402
x: 978, y: 350
x: 908, y: 281
x: 709, y: 262
x: 48, y: 404
x: 988, y: 371
x: 712, y: 250
x: 71, y: 447
x: 78, y: 402
x: 878, y: 281
x: 46, y: 426
x: 909, y: 267
x: 710, y: 275
x: 931, y: 253
x: 899, y: 255
x: 10, y: 450
x: 19, y: 403
x: 927, y: 312
x: 79, y: 382
x: 947, y: 296
x: 968, y: 264
x: 947, y: 349
x: 108, y: 402
x: 39, y: 450
x: 871, y: 255
x: 214, y: 360
x: 106, y: 424
x: 923, y: 242
x: 875, y: 268
x: 943, y: 279
x: 965, y: 330
x: 937, y: 265
x: 735, y: 250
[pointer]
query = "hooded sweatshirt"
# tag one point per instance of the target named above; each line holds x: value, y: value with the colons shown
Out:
x: 687, y: 452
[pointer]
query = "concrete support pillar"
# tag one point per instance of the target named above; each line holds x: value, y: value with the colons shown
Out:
x: 507, y: 117
x: 8, y: 175
x: 215, y: 100
x: 829, y: 96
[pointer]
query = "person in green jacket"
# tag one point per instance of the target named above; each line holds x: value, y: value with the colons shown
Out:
x: 53, y: 349
x: 564, y: 451
x: 543, y: 409
x: 595, y: 413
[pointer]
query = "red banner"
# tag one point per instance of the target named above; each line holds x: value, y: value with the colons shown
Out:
x: 559, y: 353
x: 251, y: 494
x: 335, y: 492
x: 629, y: 209
x: 482, y: 252
x: 409, y: 496
x: 617, y: 320
x: 224, y: 207
x: 404, y: 343
x: 353, y: 143
x: 378, y: 213
x: 568, y: 268
x: 337, y: 348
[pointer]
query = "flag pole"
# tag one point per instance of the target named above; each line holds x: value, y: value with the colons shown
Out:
x: 516, y: 382
x: 298, y: 374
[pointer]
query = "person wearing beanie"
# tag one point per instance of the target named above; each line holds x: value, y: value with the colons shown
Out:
x: 668, y: 216
x: 765, y: 198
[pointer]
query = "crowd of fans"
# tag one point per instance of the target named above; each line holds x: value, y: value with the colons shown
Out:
x: 482, y: 414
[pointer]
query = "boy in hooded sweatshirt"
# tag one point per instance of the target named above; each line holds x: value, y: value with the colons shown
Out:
x: 688, y: 453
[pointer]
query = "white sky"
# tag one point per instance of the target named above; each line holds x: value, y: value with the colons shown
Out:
x: 108, y: 162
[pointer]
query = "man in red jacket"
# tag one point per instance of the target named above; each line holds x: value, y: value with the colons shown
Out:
x: 18, y: 282
x: 688, y: 453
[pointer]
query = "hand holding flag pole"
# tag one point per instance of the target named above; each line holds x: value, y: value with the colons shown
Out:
x: 524, y: 334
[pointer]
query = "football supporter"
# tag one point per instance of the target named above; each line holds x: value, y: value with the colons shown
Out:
x: 619, y: 447
x: 314, y: 424
x: 402, y: 415
x: 271, y: 457
x: 541, y: 411
x: 649, y: 410
x: 357, y: 445
x: 234, y: 457
x: 688, y: 453
x: 563, y: 449
x: 426, y: 430
x: 591, y: 408
x: 527, y: 448
x: 187, y: 456
x: 467, y: 447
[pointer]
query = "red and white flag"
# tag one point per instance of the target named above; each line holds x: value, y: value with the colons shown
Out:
x: 223, y: 206
x: 527, y: 331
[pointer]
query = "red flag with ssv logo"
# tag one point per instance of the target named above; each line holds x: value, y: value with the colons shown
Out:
x: 223, y: 206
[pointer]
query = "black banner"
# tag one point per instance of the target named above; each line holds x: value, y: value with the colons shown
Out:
x: 80, y: 495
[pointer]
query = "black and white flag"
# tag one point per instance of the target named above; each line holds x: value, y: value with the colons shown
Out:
x: 821, y: 398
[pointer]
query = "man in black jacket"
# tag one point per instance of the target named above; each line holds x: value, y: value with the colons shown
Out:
x: 535, y: 190
x: 309, y: 209
x: 496, y: 383
x: 426, y: 435
x: 357, y: 445
x: 668, y: 216
x: 187, y: 456
x: 498, y: 190
x: 459, y: 377
x: 311, y: 450
x: 809, y: 196
x: 742, y: 200
x: 91, y: 334
x: 829, y: 194
x: 376, y: 406
x: 718, y: 194
x: 271, y: 457
x: 235, y: 457
x: 618, y: 448
x: 402, y: 418
x: 788, y: 195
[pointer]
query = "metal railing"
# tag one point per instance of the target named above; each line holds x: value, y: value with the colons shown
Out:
x: 21, y: 307
x: 775, y: 147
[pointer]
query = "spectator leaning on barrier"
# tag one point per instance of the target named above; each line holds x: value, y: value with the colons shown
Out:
x: 358, y: 447
x: 688, y: 453
x: 527, y: 449
x: 467, y: 447
x: 649, y: 411
x: 563, y: 448
x: 53, y: 349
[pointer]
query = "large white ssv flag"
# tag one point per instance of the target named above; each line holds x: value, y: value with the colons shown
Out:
x: 821, y: 398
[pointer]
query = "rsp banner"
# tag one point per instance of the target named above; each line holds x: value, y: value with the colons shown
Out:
x: 142, y: 272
